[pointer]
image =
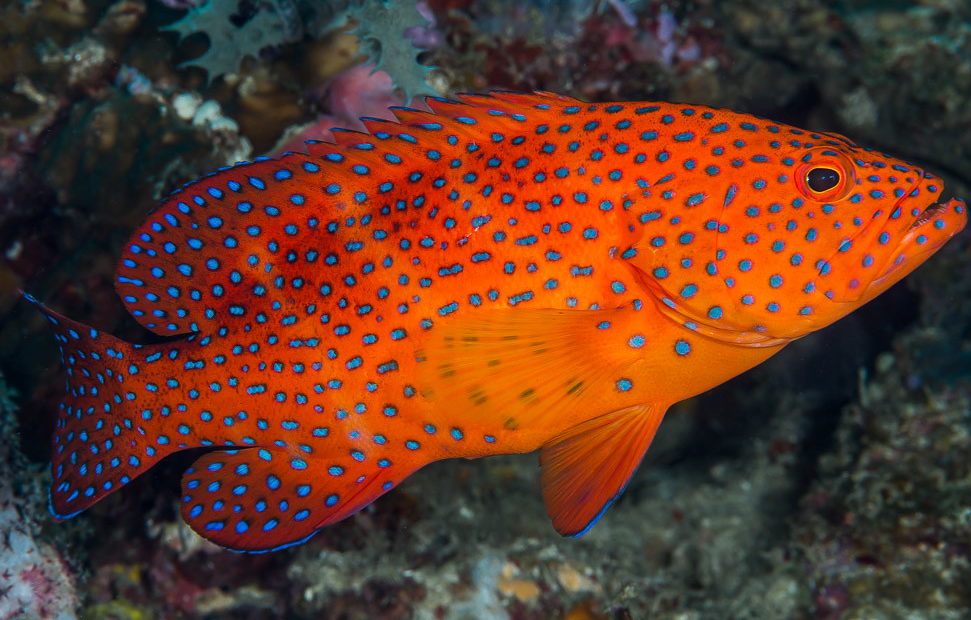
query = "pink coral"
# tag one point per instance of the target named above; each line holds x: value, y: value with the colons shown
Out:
x: 427, y: 36
x: 182, y: 4
x: 360, y: 91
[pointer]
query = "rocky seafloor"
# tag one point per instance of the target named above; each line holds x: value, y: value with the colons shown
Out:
x: 832, y: 482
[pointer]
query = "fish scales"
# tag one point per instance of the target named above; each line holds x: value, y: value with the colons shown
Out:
x: 503, y: 274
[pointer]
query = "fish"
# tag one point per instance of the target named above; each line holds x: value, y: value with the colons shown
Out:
x: 501, y: 273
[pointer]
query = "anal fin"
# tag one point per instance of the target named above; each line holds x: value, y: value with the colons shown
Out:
x: 588, y: 467
x: 262, y: 499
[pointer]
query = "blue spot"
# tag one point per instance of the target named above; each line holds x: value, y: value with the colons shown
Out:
x: 730, y: 195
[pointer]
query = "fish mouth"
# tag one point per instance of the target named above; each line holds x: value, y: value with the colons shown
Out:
x: 930, y: 213
x: 931, y: 229
x: 949, y: 215
x: 948, y: 218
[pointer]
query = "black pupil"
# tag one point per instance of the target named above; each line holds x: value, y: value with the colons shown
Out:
x: 822, y: 179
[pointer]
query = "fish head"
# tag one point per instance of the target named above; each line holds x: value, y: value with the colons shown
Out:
x: 908, y: 223
x: 799, y: 235
x: 874, y: 218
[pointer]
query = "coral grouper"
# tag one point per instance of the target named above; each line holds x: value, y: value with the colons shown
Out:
x: 508, y: 273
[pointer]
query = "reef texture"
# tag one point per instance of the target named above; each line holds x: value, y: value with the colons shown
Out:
x: 832, y: 482
x: 35, y: 582
x: 381, y: 25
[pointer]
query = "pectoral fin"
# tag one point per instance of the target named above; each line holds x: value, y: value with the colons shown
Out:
x: 588, y: 467
x: 517, y: 368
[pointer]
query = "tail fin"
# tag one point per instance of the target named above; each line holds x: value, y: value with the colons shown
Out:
x: 100, y: 442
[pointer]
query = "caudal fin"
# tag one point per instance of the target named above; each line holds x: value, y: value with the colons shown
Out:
x: 100, y: 443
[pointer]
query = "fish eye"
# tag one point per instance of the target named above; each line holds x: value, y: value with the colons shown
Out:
x: 825, y: 175
x: 822, y: 178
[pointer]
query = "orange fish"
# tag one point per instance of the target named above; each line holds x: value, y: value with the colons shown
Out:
x: 508, y: 273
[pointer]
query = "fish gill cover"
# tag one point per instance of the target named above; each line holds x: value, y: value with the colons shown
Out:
x: 237, y: 29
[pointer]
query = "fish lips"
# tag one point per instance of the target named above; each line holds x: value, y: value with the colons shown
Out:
x: 918, y: 239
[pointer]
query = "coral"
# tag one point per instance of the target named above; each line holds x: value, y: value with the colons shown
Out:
x: 133, y: 133
x: 42, y: 68
x: 229, y: 44
x: 35, y: 583
x: 359, y: 91
x: 885, y: 532
x: 378, y: 21
x: 380, y: 27
x: 620, y: 53
x: 889, y: 72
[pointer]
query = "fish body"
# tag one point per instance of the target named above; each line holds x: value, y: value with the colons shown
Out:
x: 504, y: 274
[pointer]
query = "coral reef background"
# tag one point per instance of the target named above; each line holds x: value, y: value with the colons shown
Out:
x: 832, y: 482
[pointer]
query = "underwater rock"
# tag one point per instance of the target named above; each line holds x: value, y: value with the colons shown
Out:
x: 885, y: 530
x: 92, y: 160
x: 632, y: 53
x: 893, y: 74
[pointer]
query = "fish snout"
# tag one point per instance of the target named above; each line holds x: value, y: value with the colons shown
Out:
x: 931, y: 228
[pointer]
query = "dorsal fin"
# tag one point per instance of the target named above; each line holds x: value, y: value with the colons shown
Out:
x: 349, y: 137
x: 230, y: 248
x: 316, y: 148
x: 216, y: 244
x: 511, y: 102
x: 449, y: 108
